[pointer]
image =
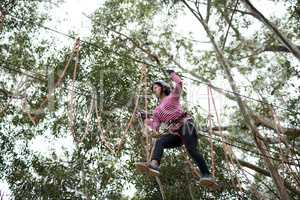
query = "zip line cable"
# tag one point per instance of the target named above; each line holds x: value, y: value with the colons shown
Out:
x: 153, y: 65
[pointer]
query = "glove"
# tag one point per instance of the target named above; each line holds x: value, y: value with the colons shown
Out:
x: 141, y: 114
x: 170, y: 71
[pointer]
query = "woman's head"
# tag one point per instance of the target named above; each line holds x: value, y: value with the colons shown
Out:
x: 160, y: 88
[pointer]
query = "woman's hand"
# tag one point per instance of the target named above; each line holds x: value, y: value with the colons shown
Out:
x: 140, y: 114
x: 154, y: 134
x: 151, y: 132
x: 170, y: 71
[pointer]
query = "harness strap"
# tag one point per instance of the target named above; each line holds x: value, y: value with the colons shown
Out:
x: 175, y: 125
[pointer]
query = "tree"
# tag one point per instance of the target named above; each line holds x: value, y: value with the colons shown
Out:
x: 89, y: 93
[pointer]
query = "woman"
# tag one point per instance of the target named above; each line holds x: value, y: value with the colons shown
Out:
x: 182, y: 130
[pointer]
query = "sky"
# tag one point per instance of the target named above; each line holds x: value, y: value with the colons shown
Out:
x: 69, y: 17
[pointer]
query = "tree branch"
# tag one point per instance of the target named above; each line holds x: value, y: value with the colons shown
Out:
x: 266, y: 173
x: 279, y: 48
x: 292, y: 133
x: 229, y: 22
x: 283, y: 39
x: 208, y: 10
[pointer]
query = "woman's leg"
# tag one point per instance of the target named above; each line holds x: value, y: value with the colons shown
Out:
x: 165, y: 141
x: 188, y: 133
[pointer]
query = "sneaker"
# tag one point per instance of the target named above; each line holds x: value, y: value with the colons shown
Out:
x: 147, y: 168
x: 153, y: 169
x: 208, y: 181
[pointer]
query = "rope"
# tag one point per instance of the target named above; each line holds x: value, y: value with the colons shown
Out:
x: 72, y: 117
x: 232, y: 156
x: 226, y: 148
x: 283, y: 140
x: 88, y: 118
x: 61, y: 76
x: 121, y: 144
x: 213, y: 165
x: 102, y: 137
x: 242, y: 148
x: 245, y: 149
x: 150, y: 142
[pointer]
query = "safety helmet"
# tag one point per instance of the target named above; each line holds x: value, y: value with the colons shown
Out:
x: 166, y: 88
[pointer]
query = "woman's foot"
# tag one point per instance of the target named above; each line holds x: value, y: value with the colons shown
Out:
x: 153, y: 169
x: 150, y: 168
x: 208, y: 181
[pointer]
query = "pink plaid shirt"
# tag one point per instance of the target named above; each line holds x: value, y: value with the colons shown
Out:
x: 169, y: 108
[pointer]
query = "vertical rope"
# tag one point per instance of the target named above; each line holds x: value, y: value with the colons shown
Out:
x: 102, y: 137
x: 231, y: 154
x: 225, y: 146
x: 71, y: 113
x: 195, y: 171
x: 121, y: 144
x: 150, y: 142
x: 2, y: 19
x: 212, y: 153
x: 41, y: 107
x: 88, y: 119
x: 284, y: 159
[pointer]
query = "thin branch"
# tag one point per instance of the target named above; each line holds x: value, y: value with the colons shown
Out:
x: 229, y: 21
x: 230, y: 24
x: 208, y: 10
